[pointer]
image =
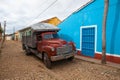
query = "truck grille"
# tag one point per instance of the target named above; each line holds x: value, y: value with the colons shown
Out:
x: 64, y: 49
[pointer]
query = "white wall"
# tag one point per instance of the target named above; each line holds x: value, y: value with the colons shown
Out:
x: 8, y: 38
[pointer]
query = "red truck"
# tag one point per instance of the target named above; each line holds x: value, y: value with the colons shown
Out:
x: 42, y: 40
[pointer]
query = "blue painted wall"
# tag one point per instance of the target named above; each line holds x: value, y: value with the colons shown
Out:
x: 93, y: 15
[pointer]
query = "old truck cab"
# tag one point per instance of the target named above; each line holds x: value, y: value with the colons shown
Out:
x: 48, y: 45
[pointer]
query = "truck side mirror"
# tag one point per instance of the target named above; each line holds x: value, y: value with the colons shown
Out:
x: 39, y: 38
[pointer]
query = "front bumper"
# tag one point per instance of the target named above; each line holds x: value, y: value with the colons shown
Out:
x: 63, y: 56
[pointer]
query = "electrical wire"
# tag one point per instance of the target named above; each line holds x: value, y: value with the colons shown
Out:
x: 43, y: 11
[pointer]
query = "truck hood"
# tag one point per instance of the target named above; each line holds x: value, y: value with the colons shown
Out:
x: 56, y: 42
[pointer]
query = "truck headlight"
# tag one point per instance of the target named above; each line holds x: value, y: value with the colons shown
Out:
x: 52, y: 49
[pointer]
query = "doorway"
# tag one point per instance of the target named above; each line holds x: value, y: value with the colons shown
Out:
x: 88, y: 40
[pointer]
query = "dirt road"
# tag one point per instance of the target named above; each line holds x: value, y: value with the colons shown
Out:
x: 15, y: 65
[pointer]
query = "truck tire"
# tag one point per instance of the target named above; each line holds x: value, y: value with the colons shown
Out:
x: 27, y: 50
x: 71, y: 58
x: 23, y: 46
x: 47, y: 61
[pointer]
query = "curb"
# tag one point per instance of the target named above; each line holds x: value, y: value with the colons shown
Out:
x: 110, y: 64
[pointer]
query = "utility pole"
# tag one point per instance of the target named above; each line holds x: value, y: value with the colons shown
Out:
x: 4, y: 31
x: 1, y: 31
x: 103, y: 61
x: 13, y: 33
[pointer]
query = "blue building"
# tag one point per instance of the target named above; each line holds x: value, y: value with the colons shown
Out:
x: 84, y: 27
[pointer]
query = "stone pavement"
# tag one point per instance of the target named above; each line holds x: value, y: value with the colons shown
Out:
x: 97, y: 61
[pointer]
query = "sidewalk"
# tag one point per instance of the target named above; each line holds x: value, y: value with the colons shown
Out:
x: 97, y: 61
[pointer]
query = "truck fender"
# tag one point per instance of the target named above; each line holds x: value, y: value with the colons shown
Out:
x: 47, y: 49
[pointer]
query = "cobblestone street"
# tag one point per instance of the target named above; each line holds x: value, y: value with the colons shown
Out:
x: 15, y: 65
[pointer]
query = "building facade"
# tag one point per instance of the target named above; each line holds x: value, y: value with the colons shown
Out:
x: 8, y: 36
x: 84, y: 27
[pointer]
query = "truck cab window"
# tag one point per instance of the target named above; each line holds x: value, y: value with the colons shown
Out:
x: 55, y: 36
x: 50, y: 36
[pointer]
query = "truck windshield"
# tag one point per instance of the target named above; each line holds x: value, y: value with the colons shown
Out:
x: 50, y: 36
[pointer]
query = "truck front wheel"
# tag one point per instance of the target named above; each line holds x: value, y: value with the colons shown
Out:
x: 47, y: 61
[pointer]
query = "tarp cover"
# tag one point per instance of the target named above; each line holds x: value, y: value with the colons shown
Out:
x: 44, y: 27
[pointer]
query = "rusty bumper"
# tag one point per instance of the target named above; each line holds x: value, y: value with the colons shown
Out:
x: 63, y: 56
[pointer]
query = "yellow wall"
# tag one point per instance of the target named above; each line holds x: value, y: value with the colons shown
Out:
x: 55, y: 21
x: 16, y: 37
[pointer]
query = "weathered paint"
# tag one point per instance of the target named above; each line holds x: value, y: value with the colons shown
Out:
x: 93, y: 15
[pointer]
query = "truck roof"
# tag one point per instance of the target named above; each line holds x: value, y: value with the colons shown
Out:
x: 42, y: 27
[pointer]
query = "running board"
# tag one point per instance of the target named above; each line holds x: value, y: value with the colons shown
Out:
x: 36, y: 53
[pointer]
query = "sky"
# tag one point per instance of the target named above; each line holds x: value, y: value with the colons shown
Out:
x: 22, y: 13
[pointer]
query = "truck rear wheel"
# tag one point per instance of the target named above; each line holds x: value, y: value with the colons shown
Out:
x: 71, y: 58
x: 23, y: 46
x: 47, y: 61
x: 27, y: 50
